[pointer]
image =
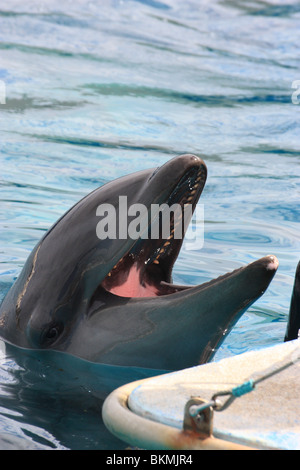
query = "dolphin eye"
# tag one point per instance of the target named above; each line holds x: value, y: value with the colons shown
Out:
x: 51, y: 333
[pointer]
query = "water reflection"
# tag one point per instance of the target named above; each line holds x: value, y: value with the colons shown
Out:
x: 54, y: 400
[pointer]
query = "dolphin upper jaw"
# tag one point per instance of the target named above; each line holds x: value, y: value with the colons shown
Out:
x: 177, y: 182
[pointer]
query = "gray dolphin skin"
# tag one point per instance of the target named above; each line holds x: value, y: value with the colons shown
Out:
x: 72, y: 294
x: 293, y: 325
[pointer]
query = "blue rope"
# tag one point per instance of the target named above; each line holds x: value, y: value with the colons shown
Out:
x: 237, y: 391
x: 244, y: 388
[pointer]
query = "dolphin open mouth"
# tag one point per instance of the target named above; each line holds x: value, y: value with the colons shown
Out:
x: 146, y: 269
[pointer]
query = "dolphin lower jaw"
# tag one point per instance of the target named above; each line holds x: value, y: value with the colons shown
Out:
x: 178, y: 330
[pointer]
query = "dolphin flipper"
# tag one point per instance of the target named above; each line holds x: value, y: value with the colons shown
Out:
x: 293, y: 326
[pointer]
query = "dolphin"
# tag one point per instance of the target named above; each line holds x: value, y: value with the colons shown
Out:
x: 293, y: 325
x: 112, y: 300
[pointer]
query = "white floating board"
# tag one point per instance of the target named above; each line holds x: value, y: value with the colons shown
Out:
x: 149, y: 413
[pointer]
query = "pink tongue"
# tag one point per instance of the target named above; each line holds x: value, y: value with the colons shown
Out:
x: 132, y: 286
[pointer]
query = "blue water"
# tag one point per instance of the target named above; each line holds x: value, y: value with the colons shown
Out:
x: 95, y: 90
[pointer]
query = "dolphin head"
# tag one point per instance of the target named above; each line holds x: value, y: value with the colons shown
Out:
x: 99, y: 284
